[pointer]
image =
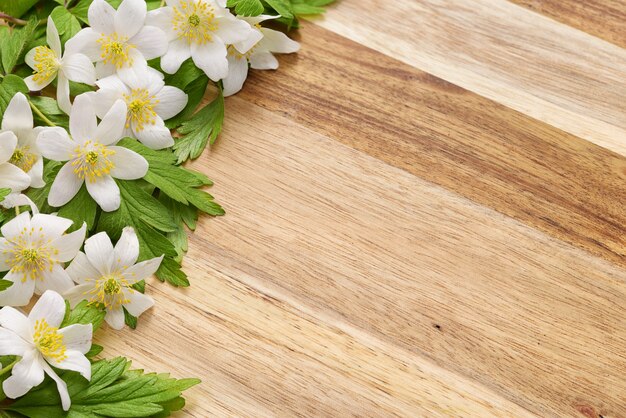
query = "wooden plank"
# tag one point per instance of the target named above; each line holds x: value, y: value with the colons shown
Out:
x: 536, y: 320
x: 259, y: 356
x: 526, y: 61
x: 602, y: 18
x: 493, y: 155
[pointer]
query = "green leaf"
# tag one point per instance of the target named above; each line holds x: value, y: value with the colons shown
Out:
x: 67, y: 24
x: 247, y: 7
x: 13, y: 46
x: 40, y: 196
x: 85, y: 313
x: 114, y: 391
x: 50, y: 108
x: 4, y: 192
x: 130, y: 320
x: 16, y: 8
x: 11, y: 84
x: 82, y: 208
x: 5, y: 284
x: 203, y: 127
x: 282, y: 7
x: 195, y: 93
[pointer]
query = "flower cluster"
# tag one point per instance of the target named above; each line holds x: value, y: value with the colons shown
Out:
x: 111, y: 95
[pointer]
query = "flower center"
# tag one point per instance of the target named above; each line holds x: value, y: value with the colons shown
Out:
x: 23, y: 158
x: 115, y: 49
x: 46, y: 64
x: 195, y: 21
x: 30, y: 254
x: 140, y: 109
x: 48, y: 341
x: 91, y: 161
x: 108, y: 291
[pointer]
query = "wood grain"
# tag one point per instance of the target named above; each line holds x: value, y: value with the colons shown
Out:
x: 507, y: 53
x: 531, y: 318
x: 602, y: 18
x: 487, y: 152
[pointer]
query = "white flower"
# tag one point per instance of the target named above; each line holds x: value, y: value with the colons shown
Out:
x: 34, y: 250
x: 199, y: 29
x: 40, y: 343
x: 149, y: 103
x: 118, y: 40
x: 48, y: 62
x: 256, y: 52
x: 11, y: 177
x: 104, y: 275
x: 92, y: 157
x: 18, y: 119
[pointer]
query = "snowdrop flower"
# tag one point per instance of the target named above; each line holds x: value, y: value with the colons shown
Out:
x: 199, y: 29
x: 104, y: 275
x: 256, y: 52
x: 118, y: 40
x: 149, y: 103
x: 48, y: 62
x: 93, y: 158
x: 33, y: 250
x: 40, y: 343
x: 18, y: 119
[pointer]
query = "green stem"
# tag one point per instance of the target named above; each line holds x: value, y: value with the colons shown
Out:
x: 40, y: 114
x: 9, y: 367
x: 4, y: 16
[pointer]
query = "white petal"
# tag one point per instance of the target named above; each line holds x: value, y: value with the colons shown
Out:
x: 127, y: 248
x: 85, y: 42
x: 110, y: 129
x: 50, y: 307
x: 55, y: 144
x: 78, y: 293
x: 253, y: 20
x: 14, y: 320
x: 143, y: 270
x: 105, y: 69
x: 36, y: 174
x: 18, y: 199
x: 17, y: 115
x: 252, y: 39
x: 112, y: 82
x: 5, y: 256
x: 74, y: 361
x: 26, y: 374
x: 162, y: 18
x: 104, y: 99
x: 56, y: 280
x: 237, y: 74
x: 63, y: 94
x: 51, y: 225
x: 128, y: 165
x: 139, y: 65
x: 16, y: 226
x: 61, y: 386
x: 12, y: 344
x: 105, y: 192
x: 151, y: 41
x: 263, y: 61
x: 176, y: 54
x: 172, y: 101
x: 65, y: 186
x: 138, y: 302
x: 78, y: 68
x: 83, y: 119
x: 69, y: 244
x: 211, y: 58
x: 29, y: 58
x: 101, y: 17
x: 13, y: 178
x: 156, y: 136
x: 130, y: 17
x: 81, y: 270
x: 39, y: 84
x: 20, y: 293
x: 99, y: 251
x: 8, y: 142
x: 52, y: 37
x: 77, y: 337
x: 276, y: 41
x: 232, y: 30
x: 115, y: 318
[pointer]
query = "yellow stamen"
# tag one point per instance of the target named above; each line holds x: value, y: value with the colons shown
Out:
x: 108, y: 290
x: 30, y: 254
x: 115, y: 50
x: 195, y: 21
x: 46, y: 64
x: 48, y: 341
x: 91, y: 161
x: 140, y: 109
x: 23, y: 158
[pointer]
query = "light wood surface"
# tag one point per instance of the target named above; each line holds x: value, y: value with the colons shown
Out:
x: 420, y: 223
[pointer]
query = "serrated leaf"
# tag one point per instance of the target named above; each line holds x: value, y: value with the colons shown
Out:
x: 13, y: 47
x: 67, y: 24
x: 11, y: 84
x: 82, y: 208
x: 247, y: 7
x: 85, y: 313
x: 16, y: 8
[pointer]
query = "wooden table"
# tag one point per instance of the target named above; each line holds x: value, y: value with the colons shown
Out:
x: 425, y: 217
